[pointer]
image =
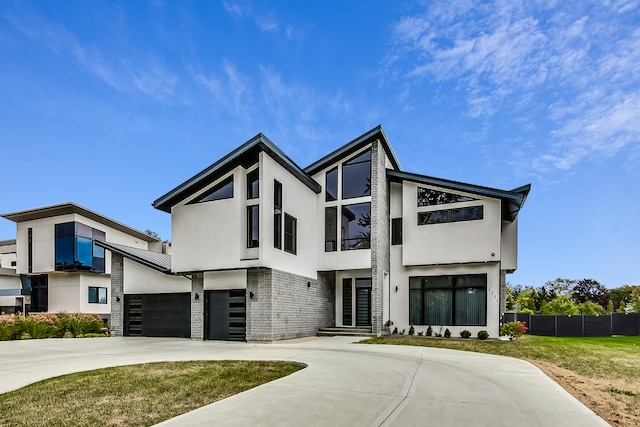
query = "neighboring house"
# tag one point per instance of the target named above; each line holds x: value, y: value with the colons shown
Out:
x: 58, y: 264
x: 264, y: 250
x: 11, y: 299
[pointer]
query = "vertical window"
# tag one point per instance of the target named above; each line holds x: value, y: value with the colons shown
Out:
x: 30, y: 249
x: 277, y: 214
x: 396, y: 231
x: 253, y: 226
x: 290, y: 234
x: 97, y: 295
x: 331, y: 185
x: 347, y: 303
x: 331, y: 229
x: 356, y: 176
x: 356, y: 226
x: 253, y: 184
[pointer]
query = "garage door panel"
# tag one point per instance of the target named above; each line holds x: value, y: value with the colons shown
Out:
x: 159, y: 315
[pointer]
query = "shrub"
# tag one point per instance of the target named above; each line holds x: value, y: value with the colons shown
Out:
x: 84, y: 323
x: 412, y: 330
x: 39, y: 325
x: 429, y: 331
x: 515, y: 329
x: 447, y: 333
x: 8, y: 327
x: 465, y: 334
x: 90, y: 335
x: 483, y: 335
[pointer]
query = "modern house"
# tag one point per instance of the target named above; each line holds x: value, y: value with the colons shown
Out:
x: 265, y: 250
x: 56, y: 262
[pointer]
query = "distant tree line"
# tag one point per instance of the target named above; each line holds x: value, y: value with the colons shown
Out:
x: 566, y: 296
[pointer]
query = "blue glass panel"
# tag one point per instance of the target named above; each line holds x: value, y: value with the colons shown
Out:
x: 64, y: 253
x: 93, y: 295
x: 84, y: 253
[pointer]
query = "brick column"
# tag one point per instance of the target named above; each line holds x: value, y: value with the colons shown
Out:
x: 380, y: 229
x: 197, y: 306
x: 117, y: 293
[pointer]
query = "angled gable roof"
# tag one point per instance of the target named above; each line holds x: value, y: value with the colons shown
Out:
x: 245, y: 155
x: 512, y: 200
x: 353, y: 146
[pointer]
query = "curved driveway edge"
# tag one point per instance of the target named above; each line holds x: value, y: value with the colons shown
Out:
x: 344, y: 384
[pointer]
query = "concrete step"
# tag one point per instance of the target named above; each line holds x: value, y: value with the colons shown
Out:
x: 340, y: 331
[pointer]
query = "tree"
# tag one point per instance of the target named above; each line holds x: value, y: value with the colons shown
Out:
x: 591, y: 290
x: 622, y: 296
x: 561, y: 304
x: 590, y: 307
x: 153, y: 234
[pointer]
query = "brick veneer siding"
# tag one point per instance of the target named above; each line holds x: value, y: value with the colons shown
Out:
x: 503, y: 292
x: 380, y: 237
x: 197, y: 306
x: 287, y: 306
x: 117, y: 292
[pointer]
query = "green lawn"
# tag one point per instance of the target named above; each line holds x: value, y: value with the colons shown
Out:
x: 598, y: 357
x: 139, y: 395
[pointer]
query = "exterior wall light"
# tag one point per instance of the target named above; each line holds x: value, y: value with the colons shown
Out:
x: 197, y: 296
x: 396, y: 288
x: 117, y: 299
x: 308, y: 284
x: 250, y: 295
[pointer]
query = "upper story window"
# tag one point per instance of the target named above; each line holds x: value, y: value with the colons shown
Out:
x: 356, y: 176
x: 331, y: 185
x: 429, y: 197
x: 290, y: 234
x: 224, y: 190
x: 451, y: 215
x: 356, y: 226
x: 253, y: 226
x: 253, y: 184
x: 97, y: 295
x: 277, y: 214
x: 396, y: 231
x: 331, y: 229
x: 75, y: 248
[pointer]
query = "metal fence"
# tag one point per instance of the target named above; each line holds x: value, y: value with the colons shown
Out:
x: 578, y: 325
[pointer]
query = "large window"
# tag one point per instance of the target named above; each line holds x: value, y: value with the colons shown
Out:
x: 223, y: 190
x: 253, y: 184
x: 253, y: 226
x: 356, y: 226
x: 448, y: 300
x: 331, y: 229
x: 97, y: 295
x: 331, y: 185
x: 290, y: 234
x: 396, y: 231
x: 451, y: 215
x: 356, y: 176
x: 277, y: 214
x: 428, y: 197
x: 75, y: 248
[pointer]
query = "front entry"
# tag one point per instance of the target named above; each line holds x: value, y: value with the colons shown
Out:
x: 363, y: 302
x: 225, y: 315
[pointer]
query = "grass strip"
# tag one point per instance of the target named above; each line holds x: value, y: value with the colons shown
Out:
x: 140, y: 395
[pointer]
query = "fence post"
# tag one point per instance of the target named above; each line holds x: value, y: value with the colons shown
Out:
x: 583, y: 325
x: 555, y: 325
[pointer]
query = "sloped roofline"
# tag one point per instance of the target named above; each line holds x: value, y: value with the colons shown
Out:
x: 73, y: 208
x: 253, y: 146
x: 130, y: 253
x: 353, y: 146
x: 513, y: 200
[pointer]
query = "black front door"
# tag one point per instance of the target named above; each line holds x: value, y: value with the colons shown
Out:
x: 363, y: 302
x: 39, y: 294
x: 225, y: 315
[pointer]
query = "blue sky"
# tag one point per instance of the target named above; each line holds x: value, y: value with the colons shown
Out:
x: 112, y: 104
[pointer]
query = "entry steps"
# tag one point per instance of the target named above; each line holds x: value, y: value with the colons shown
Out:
x: 346, y: 332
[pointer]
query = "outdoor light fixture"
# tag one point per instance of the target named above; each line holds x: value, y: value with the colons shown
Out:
x: 197, y: 296
x: 396, y: 289
x: 117, y: 299
x: 250, y: 295
x: 308, y: 284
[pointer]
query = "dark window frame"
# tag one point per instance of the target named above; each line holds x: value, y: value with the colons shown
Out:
x: 208, y: 196
x: 277, y: 214
x: 98, y: 291
x: 351, y: 163
x: 253, y: 224
x: 75, y: 248
x: 253, y: 184
x: 362, y: 242
x: 331, y: 183
x: 290, y: 234
x: 431, y: 197
x: 330, y: 230
x: 445, y: 216
x: 396, y: 231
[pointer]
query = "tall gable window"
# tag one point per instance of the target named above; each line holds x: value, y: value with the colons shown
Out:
x: 429, y: 197
x: 331, y: 185
x: 75, y: 248
x: 331, y: 229
x: 253, y: 184
x: 356, y: 176
x: 277, y: 214
x: 253, y: 226
x: 356, y: 226
x: 224, y: 190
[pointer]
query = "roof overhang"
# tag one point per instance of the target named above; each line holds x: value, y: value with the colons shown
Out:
x: 72, y: 208
x: 157, y: 261
x: 245, y: 155
x: 512, y: 200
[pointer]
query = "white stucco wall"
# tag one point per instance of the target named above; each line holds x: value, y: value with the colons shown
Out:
x: 65, y: 292
x: 139, y: 279
x: 97, y: 280
x: 456, y: 242
x: 509, y: 251
x: 232, y: 279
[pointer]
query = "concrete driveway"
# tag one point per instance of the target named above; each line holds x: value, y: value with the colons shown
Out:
x: 344, y: 384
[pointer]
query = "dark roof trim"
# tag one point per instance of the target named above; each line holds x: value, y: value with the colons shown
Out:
x: 72, y: 208
x: 121, y: 250
x: 227, y: 163
x: 513, y: 200
x: 353, y: 146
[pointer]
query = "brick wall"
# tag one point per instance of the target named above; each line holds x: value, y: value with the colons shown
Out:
x: 117, y: 292
x: 503, y: 292
x: 287, y: 306
x: 380, y: 229
x: 197, y: 306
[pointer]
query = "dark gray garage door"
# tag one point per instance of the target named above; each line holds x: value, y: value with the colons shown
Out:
x: 225, y: 315
x: 158, y: 315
